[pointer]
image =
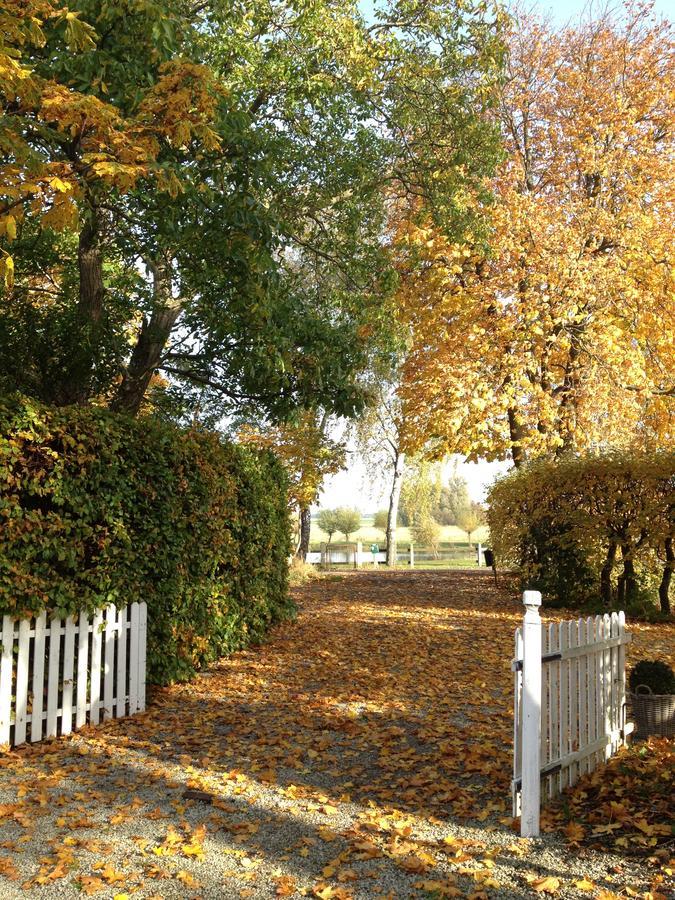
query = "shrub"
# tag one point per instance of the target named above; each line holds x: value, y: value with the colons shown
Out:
x: 654, y: 674
x: 98, y: 508
x: 589, y: 528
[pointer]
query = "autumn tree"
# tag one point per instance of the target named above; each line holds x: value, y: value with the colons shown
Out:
x: 427, y: 533
x: 421, y: 490
x: 380, y: 443
x: 309, y: 454
x: 453, y: 496
x: 559, y: 334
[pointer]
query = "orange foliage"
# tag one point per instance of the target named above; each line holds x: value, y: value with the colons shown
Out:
x: 563, y: 334
x: 306, y: 452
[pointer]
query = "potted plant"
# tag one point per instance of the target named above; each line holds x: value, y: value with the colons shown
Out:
x: 652, y: 697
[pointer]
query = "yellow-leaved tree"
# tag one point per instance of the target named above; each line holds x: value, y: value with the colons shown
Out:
x: 560, y: 335
x: 309, y: 454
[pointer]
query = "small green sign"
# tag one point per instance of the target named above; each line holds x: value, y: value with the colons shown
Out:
x: 374, y: 548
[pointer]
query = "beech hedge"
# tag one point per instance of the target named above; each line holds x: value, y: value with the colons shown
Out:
x: 583, y: 529
x: 99, y: 508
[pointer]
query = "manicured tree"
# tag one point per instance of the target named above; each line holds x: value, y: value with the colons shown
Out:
x: 469, y: 518
x: 327, y: 521
x: 380, y: 520
x: 348, y: 520
x: 427, y: 533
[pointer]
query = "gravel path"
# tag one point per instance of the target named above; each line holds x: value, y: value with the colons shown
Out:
x: 363, y: 752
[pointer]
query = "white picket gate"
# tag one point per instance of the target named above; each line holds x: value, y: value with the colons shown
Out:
x: 569, y: 704
x: 61, y: 674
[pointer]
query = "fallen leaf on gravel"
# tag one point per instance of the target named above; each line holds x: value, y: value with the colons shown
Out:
x: 187, y: 879
x: 547, y: 885
x: 584, y: 885
x: 286, y: 886
x: 574, y: 832
x: 8, y: 869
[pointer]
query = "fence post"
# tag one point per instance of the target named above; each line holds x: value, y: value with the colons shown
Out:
x: 531, y: 712
x: 359, y: 555
x: 412, y: 555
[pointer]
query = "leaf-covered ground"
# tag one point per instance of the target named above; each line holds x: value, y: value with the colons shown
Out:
x: 364, y: 752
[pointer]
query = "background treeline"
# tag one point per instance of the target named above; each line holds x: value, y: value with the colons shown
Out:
x: 98, y: 508
x: 589, y: 529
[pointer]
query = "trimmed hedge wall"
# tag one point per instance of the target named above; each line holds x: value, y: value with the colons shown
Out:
x: 583, y: 529
x: 98, y: 508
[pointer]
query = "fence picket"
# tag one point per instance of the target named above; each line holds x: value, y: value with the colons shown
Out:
x: 607, y: 674
x: 573, y: 686
x: 121, y: 663
x: 544, y: 709
x: 133, y: 651
x: 95, y: 688
x: 38, y: 677
x: 55, y: 632
x: 517, y: 719
x: 142, y: 647
x: 82, y: 670
x: 21, y: 701
x: 622, y: 672
x: 582, y: 641
x: 109, y: 665
x: 563, y: 735
x: 68, y: 664
x: 554, y: 720
x: 6, y: 667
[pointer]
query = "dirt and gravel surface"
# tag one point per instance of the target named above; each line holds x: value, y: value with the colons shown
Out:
x: 363, y: 752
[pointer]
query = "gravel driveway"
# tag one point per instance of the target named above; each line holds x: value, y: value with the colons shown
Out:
x: 363, y: 752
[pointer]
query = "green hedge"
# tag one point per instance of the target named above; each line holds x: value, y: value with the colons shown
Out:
x: 583, y: 529
x: 98, y: 508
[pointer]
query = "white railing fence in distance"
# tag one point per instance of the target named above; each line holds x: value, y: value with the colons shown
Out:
x: 569, y: 704
x: 57, y: 675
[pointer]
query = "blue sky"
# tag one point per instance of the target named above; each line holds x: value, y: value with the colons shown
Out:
x: 562, y: 10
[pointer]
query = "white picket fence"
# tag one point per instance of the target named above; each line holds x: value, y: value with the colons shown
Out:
x: 569, y: 704
x: 61, y: 674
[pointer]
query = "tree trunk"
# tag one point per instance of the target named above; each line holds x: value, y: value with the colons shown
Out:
x: 606, y: 575
x: 76, y: 386
x: 664, y: 587
x: 154, y: 335
x: 628, y: 578
x: 516, y: 435
x: 305, y: 527
x: 394, y: 497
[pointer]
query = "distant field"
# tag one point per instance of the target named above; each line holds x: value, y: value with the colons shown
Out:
x: 450, y: 534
